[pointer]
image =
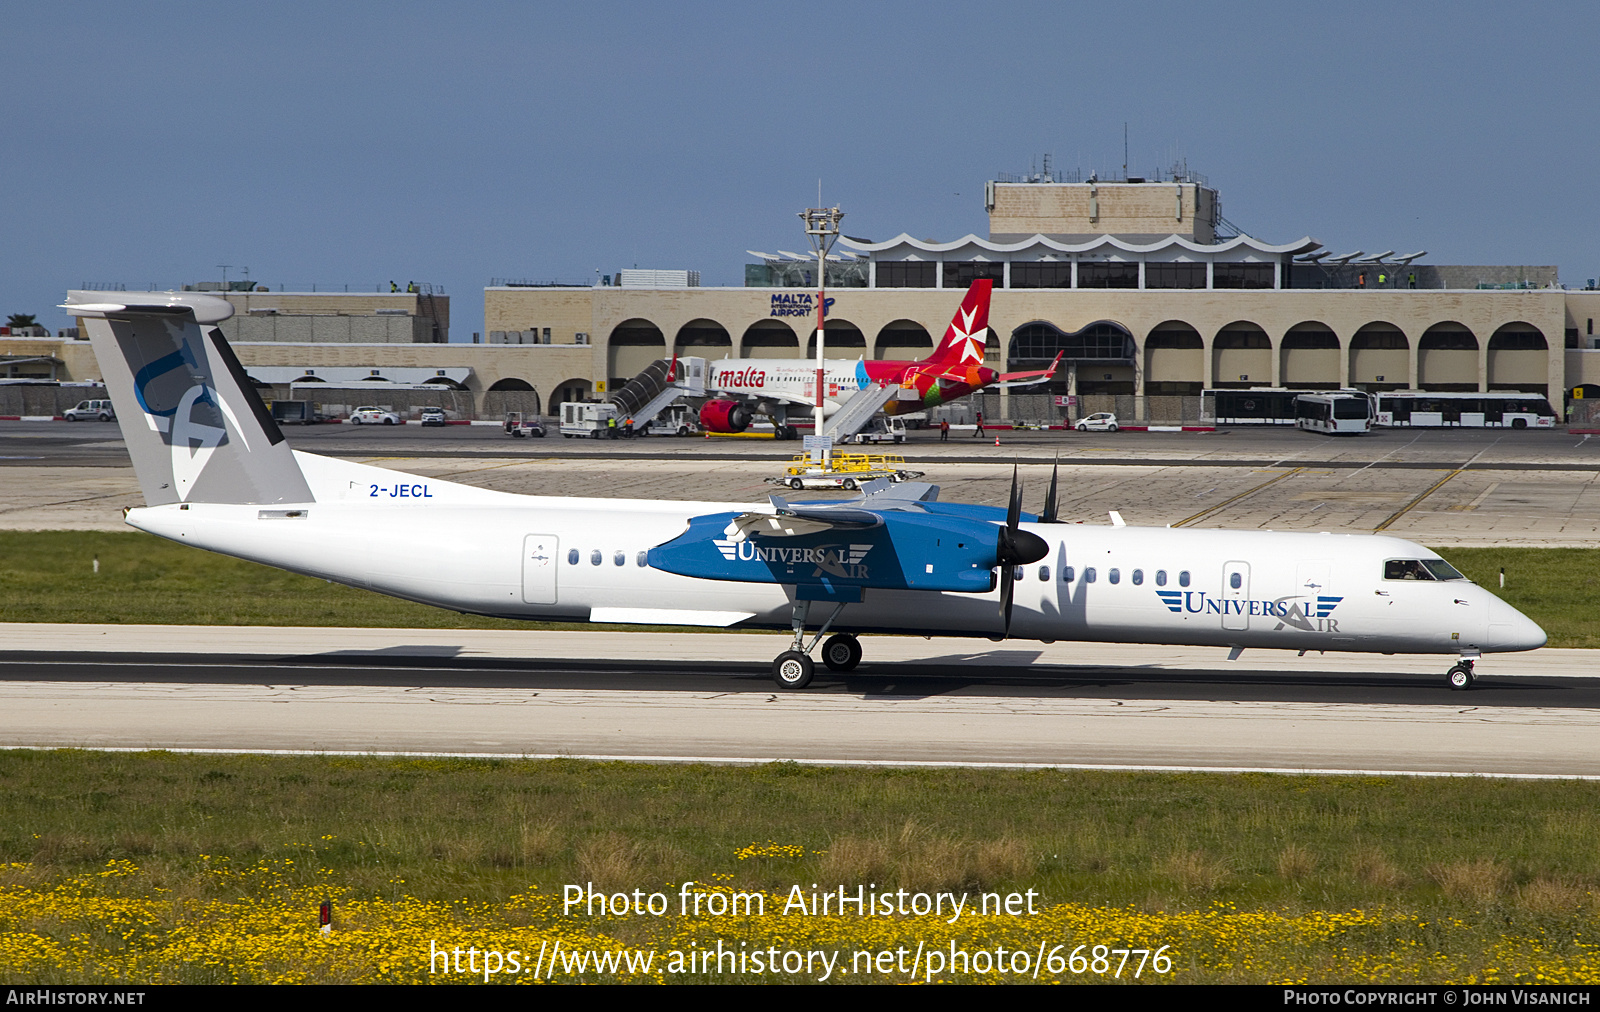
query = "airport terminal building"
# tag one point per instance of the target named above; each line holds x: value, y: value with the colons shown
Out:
x: 1136, y: 281
x: 1142, y: 284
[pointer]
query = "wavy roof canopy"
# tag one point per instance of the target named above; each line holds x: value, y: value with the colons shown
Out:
x: 901, y: 241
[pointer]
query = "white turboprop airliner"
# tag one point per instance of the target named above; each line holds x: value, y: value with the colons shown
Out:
x: 217, y: 474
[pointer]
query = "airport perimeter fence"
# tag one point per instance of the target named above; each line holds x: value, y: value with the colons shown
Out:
x: 42, y: 400
x: 339, y: 402
x: 1042, y: 409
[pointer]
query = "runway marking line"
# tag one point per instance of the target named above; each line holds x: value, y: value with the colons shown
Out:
x: 1241, y: 495
x: 1408, y: 507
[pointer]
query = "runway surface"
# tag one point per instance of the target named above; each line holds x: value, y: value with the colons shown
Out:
x: 912, y: 702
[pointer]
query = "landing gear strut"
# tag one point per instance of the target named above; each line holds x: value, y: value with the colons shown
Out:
x: 1460, y: 675
x: 793, y: 668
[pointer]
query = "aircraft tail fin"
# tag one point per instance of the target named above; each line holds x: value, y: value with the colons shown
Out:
x: 969, y: 329
x: 193, y: 423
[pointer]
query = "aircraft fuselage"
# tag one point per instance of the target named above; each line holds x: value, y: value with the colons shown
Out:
x: 587, y: 559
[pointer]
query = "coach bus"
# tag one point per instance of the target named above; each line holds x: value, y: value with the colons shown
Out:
x: 1256, y: 406
x: 1334, y: 413
x: 1427, y: 409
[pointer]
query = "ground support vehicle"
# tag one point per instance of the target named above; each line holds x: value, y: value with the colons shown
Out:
x: 884, y: 429
x: 591, y: 420
x: 432, y: 416
x: 370, y: 415
x: 1100, y: 421
x: 521, y: 426
x: 848, y: 471
x: 676, y: 420
x: 1333, y: 413
x: 83, y: 410
x: 1494, y: 410
x: 294, y: 413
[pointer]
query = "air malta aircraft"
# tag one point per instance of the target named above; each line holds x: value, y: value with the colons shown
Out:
x: 743, y: 387
x: 217, y: 474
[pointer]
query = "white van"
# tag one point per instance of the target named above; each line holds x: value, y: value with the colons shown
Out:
x: 91, y: 409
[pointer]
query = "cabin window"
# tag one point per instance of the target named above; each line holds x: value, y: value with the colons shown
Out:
x: 619, y: 559
x: 572, y: 557
x: 1044, y: 574
x: 643, y: 560
x: 1067, y: 574
x: 1115, y: 576
x: 1183, y: 578
x: 1161, y: 578
x: 1235, y: 581
x: 1138, y: 577
x: 594, y: 557
x: 1088, y: 574
x: 1016, y: 572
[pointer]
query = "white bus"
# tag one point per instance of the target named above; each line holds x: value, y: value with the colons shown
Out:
x: 1419, y: 409
x: 1334, y: 413
x: 1256, y: 405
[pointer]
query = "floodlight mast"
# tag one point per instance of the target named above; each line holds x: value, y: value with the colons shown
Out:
x: 822, y: 228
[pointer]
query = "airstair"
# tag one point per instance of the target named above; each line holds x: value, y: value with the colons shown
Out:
x: 661, y: 383
x: 856, y: 412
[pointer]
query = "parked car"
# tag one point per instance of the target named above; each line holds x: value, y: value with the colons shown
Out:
x: 432, y: 416
x: 370, y: 415
x: 91, y: 409
x: 1100, y: 421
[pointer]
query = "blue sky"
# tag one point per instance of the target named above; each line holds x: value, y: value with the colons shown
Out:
x: 451, y: 143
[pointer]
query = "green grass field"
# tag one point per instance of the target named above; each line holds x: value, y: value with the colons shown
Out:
x: 49, y: 577
x: 1378, y: 878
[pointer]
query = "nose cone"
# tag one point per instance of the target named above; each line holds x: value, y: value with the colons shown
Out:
x: 1510, y: 629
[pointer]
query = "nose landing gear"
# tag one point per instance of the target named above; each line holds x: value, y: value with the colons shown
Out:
x: 1460, y: 675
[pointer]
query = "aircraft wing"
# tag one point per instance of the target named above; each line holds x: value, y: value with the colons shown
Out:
x: 1028, y: 379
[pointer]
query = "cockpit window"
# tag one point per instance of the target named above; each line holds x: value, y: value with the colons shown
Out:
x: 1405, y: 569
x: 1442, y: 570
x: 1420, y: 569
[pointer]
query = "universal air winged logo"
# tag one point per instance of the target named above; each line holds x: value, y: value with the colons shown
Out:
x: 838, y: 560
x: 197, y: 421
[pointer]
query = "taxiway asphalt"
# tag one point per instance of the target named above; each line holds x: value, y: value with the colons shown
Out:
x: 654, y: 697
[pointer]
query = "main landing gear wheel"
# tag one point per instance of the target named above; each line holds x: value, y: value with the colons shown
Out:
x: 842, y: 652
x: 792, y: 670
x: 1460, y: 676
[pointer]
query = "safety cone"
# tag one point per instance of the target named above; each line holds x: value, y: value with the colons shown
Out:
x: 997, y: 440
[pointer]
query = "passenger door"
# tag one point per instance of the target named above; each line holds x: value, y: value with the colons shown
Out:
x: 540, y: 563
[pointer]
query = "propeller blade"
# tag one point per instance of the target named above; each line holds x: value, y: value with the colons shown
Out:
x: 1007, y: 584
x: 1049, y: 516
x: 1014, y: 511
